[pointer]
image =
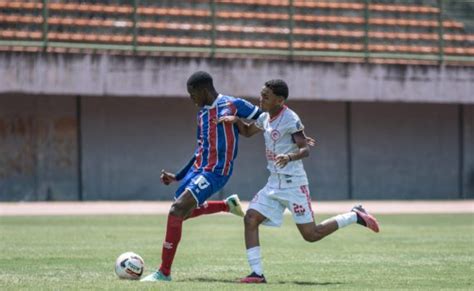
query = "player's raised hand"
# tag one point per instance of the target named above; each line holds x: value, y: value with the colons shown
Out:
x: 167, y: 177
x: 228, y: 119
x: 282, y: 160
x: 310, y: 141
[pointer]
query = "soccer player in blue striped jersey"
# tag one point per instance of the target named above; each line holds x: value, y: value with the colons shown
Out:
x: 210, y: 167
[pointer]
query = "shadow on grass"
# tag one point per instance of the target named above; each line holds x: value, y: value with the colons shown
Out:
x: 236, y: 281
x: 311, y: 283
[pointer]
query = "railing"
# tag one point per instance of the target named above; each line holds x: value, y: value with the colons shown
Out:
x: 366, y: 30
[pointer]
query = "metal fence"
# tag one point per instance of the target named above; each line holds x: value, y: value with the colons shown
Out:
x: 438, y: 31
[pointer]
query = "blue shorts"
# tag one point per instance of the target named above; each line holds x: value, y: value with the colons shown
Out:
x: 202, y: 185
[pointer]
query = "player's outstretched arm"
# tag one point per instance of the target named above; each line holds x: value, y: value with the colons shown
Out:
x: 303, y: 150
x: 168, y: 178
x: 245, y: 129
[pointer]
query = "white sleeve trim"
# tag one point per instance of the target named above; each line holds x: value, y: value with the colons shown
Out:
x: 253, y: 113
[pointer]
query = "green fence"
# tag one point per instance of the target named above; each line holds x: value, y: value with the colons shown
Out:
x: 432, y: 31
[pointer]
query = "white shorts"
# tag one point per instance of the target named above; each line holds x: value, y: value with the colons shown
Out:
x: 272, y: 202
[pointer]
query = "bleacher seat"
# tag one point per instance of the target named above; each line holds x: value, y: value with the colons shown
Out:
x: 248, y: 24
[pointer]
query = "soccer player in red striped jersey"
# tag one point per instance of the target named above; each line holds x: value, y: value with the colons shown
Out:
x: 210, y: 167
x: 287, y: 186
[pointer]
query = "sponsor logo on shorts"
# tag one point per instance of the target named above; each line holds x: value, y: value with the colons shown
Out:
x: 298, y: 209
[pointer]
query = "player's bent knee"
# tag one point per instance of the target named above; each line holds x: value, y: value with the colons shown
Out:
x: 179, y: 209
x: 251, y: 220
x: 184, y: 205
x: 311, y: 236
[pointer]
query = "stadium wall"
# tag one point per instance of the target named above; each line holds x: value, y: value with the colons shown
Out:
x: 107, y: 148
x: 110, y: 75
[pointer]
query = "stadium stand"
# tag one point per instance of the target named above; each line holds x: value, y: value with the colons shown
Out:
x: 305, y: 28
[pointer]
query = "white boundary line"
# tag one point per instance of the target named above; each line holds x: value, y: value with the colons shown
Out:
x: 155, y: 208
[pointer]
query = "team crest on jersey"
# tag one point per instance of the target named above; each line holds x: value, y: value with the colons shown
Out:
x: 275, y: 134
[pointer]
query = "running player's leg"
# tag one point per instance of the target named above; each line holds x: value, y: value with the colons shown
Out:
x: 299, y: 204
x: 266, y: 210
x: 312, y: 232
x: 194, y: 191
x: 181, y: 208
x: 209, y: 207
x: 231, y: 204
x: 198, y: 189
x: 252, y: 221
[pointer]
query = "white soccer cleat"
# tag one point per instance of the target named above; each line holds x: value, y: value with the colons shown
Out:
x: 156, y: 277
x: 235, y: 207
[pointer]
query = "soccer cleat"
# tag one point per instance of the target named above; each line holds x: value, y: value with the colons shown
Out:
x: 155, y: 277
x: 253, y: 279
x: 233, y: 202
x: 365, y: 219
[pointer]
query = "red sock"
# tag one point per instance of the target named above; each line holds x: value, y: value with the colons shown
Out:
x: 209, y: 208
x: 173, y: 236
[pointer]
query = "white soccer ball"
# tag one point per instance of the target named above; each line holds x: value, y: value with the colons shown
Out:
x: 130, y: 266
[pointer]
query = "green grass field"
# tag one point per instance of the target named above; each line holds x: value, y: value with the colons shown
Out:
x: 411, y: 252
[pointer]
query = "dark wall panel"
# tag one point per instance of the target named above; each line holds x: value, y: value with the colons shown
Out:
x: 327, y: 164
x: 38, y: 148
x: 468, y: 165
x: 127, y: 141
x: 405, y: 151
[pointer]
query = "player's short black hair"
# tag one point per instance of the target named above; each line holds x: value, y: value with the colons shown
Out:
x: 278, y: 87
x: 200, y: 79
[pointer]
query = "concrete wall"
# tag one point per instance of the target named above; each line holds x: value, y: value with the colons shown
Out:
x: 327, y: 165
x: 107, y: 75
x: 405, y: 151
x: 365, y: 150
x: 38, y: 148
x: 127, y: 141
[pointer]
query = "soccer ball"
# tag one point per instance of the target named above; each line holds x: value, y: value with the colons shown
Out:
x: 130, y: 266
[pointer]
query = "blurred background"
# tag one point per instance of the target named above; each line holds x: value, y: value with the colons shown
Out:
x: 93, y: 101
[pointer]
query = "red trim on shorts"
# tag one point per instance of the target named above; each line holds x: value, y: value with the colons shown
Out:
x: 304, y: 189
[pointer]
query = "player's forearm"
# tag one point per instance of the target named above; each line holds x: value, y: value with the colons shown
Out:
x: 244, y: 128
x: 300, y: 154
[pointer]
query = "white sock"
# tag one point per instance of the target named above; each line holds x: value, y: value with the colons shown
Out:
x: 255, y: 260
x: 346, y: 219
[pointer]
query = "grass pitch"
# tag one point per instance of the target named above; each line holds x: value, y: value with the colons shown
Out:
x: 410, y: 252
